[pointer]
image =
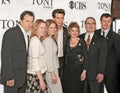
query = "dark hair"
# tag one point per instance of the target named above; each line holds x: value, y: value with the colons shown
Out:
x: 106, y: 15
x: 90, y: 18
x: 30, y: 13
x: 60, y: 11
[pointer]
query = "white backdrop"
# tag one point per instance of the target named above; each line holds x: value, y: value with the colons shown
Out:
x: 76, y: 10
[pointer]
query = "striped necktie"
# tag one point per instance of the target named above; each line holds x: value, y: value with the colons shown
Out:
x: 88, y: 42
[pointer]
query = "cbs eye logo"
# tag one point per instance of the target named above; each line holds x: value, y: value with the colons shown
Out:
x: 4, y: 2
x: 71, y: 4
x: 77, y: 5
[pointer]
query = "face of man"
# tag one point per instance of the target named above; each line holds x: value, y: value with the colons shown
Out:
x: 90, y: 25
x: 27, y: 22
x: 106, y: 23
x: 59, y: 18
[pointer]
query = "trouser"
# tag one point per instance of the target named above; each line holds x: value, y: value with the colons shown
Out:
x: 92, y: 86
x: 61, y: 67
x: 0, y: 78
x: 15, y: 89
x: 111, y: 84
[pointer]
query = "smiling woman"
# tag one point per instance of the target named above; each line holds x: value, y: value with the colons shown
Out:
x: 11, y: 9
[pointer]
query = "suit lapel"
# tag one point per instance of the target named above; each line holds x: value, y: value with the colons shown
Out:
x: 110, y: 39
x: 64, y: 37
x: 93, y: 40
x: 21, y: 38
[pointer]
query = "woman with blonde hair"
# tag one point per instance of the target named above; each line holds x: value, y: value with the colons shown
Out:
x: 36, y: 59
x: 52, y: 78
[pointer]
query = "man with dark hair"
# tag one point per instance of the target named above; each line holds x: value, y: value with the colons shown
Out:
x: 58, y: 16
x: 113, y: 51
x: 14, y: 55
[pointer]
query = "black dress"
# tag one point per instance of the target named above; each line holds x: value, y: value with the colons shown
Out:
x: 75, y: 63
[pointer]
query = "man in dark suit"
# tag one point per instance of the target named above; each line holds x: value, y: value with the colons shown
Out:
x: 113, y: 49
x: 97, y: 54
x: 14, y: 55
x: 58, y: 16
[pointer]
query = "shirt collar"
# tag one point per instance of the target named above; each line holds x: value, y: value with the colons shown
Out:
x: 24, y: 32
x: 106, y: 31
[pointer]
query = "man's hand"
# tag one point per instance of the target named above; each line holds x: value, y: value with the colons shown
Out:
x: 10, y: 83
x: 100, y: 78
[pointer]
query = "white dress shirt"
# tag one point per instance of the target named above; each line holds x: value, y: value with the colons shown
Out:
x: 91, y: 35
x: 25, y: 36
x: 105, y: 32
x: 60, y: 43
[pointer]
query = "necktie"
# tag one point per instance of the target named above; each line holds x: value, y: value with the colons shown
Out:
x: 88, y: 42
x: 103, y: 33
x: 28, y: 40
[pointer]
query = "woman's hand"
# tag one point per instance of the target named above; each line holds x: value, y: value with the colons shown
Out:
x: 42, y: 85
x: 53, y: 77
x: 83, y: 75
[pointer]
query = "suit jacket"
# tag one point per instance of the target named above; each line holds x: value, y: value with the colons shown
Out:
x: 65, y: 37
x: 97, y: 55
x: 113, y: 51
x: 14, y: 56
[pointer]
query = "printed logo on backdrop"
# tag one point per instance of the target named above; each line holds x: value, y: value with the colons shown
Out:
x: 43, y: 3
x: 6, y: 23
x: 77, y: 5
x: 4, y: 2
x: 104, y: 6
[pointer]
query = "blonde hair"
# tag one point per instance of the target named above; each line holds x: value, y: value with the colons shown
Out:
x: 49, y: 22
x: 36, y: 25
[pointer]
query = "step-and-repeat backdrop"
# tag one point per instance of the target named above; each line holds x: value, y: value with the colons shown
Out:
x: 76, y: 10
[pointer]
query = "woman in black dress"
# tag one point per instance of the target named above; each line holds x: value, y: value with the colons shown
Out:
x: 76, y: 64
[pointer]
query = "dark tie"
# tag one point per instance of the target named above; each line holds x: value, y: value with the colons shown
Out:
x: 103, y: 33
x: 88, y: 42
x: 28, y: 40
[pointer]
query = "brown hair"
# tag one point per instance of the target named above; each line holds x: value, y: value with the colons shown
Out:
x: 36, y: 26
x: 49, y: 22
x: 73, y: 24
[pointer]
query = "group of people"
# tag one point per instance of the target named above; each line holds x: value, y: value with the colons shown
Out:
x: 48, y: 57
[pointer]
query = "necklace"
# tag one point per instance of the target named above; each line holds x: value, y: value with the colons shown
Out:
x: 74, y: 42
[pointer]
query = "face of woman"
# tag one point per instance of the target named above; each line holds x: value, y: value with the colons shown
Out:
x: 52, y: 29
x: 74, y: 32
x: 42, y: 29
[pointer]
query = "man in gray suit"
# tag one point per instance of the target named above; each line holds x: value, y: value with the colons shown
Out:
x: 97, y: 55
x: 14, y: 55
